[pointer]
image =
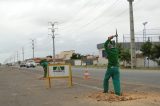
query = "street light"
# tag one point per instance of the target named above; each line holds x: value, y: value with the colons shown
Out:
x: 144, y: 31
x: 144, y: 38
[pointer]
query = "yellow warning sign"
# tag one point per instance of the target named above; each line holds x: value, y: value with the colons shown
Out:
x: 59, y: 71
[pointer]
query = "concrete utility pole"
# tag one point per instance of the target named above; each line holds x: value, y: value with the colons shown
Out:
x: 33, y: 47
x: 23, y: 53
x: 17, y: 56
x: 14, y: 58
x: 53, y: 37
x: 133, y: 56
x: 144, y: 39
x: 116, y: 38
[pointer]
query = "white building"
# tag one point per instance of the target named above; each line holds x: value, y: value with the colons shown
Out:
x: 65, y: 55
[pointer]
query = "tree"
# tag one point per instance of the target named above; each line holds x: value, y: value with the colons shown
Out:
x: 124, y: 54
x: 146, y: 49
x: 155, y: 54
x: 76, y: 56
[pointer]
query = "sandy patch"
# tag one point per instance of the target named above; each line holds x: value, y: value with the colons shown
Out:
x: 111, y: 97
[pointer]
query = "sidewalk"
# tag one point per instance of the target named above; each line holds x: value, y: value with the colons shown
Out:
x: 22, y: 88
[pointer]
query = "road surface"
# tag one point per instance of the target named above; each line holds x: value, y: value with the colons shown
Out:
x: 146, y: 77
x: 22, y: 87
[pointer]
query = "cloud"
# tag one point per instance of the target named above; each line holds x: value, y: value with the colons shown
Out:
x: 81, y: 23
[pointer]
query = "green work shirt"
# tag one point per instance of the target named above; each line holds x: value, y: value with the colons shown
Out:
x: 112, y: 55
x: 44, y: 64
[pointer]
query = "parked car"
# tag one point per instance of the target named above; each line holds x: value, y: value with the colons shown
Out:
x: 30, y: 63
x: 23, y: 64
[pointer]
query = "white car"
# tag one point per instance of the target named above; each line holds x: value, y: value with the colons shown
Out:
x: 30, y: 63
x: 23, y: 64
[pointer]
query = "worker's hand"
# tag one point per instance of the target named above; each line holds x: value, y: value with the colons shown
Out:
x: 110, y: 37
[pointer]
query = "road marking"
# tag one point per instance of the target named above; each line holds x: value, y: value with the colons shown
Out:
x: 88, y: 86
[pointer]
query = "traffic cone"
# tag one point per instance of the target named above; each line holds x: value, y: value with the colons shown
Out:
x: 86, y: 75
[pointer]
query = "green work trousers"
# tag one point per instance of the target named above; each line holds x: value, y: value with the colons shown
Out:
x: 115, y: 74
x: 45, y: 72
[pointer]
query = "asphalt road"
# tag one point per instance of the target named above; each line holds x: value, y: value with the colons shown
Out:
x: 149, y: 78
x: 146, y: 77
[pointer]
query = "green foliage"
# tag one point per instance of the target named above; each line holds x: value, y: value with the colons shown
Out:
x: 76, y: 56
x: 155, y: 53
x: 151, y: 51
x: 146, y: 49
x: 124, y: 54
x: 119, y: 46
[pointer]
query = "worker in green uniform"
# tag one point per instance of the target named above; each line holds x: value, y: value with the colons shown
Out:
x: 44, y: 64
x: 113, y: 66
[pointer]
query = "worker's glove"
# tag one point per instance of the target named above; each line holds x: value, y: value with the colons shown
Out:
x: 110, y: 37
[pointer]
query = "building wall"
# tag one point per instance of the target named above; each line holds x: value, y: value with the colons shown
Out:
x: 100, y: 53
x: 95, y: 62
x: 77, y: 62
x: 140, y: 63
x: 66, y: 55
x: 102, y: 61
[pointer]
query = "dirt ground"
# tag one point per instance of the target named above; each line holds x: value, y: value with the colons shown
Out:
x: 23, y: 88
x: 127, y: 99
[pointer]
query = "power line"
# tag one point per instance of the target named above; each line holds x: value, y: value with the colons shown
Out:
x: 107, y: 22
x: 94, y: 19
x: 97, y: 17
x: 75, y: 19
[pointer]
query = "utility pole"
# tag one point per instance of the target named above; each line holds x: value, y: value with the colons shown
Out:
x: 144, y: 39
x: 123, y: 41
x: 14, y: 58
x: 133, y: 56
x: 53, y: 37
x: 17, y: 56
x: 116, y: 38
x: 33, y: 47
x: 23, y: 53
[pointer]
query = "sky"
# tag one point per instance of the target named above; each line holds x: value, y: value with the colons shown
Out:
x: 80, y: 24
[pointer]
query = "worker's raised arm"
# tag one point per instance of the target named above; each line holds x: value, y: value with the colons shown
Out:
x: 107, y: 42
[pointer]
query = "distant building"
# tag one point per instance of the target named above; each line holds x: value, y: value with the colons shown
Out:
x: 89, y: 60
x: 65, y: 55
